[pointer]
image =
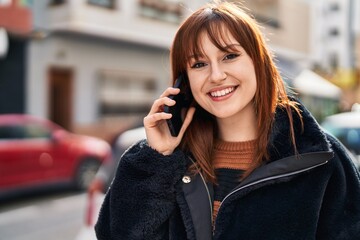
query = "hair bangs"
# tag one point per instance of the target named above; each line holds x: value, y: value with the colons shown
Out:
x: 213, y: 25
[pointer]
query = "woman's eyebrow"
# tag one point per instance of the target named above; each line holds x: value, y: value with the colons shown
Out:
x: 232, y: 46
x: 195, y: 56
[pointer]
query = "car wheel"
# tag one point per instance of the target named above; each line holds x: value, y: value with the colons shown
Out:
x: 85, y: 173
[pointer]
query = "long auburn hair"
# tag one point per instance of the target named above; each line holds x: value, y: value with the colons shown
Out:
x: 214, y: 19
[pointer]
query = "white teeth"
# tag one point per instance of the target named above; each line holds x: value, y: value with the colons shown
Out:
x: 223, y: 92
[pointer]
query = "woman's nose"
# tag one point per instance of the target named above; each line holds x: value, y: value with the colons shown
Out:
x: 217, y: 73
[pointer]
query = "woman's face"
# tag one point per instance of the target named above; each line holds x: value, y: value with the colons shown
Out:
x: 223, y: 83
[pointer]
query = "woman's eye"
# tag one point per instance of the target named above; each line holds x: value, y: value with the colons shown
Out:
x: 231, y: 56
x: 198, y: 65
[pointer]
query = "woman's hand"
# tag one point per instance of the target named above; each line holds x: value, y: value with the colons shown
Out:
x: 157, y: 132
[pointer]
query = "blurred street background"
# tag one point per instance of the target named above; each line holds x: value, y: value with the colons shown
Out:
x: 88, y: 70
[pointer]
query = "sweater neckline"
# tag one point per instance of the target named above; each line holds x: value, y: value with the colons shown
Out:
x: 221, y: 145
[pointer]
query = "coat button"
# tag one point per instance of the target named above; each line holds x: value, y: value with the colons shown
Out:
x: 186, y: 179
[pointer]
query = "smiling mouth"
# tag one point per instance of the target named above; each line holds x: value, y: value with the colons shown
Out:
x: 222, y: 93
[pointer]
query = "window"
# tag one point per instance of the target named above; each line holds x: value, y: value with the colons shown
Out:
x: 350, y: 137
x: 165, y: 10
x: 56, y: 2
x: 103, y: 3
x: 334, y: 7
x: 24, y: 132
x: 334, y: 60
x: 265, y: 11
x: 37, y: 131
x: 12, y: 132
x: 333, y: 32
x: 353, y: 140
x: 125, y: 93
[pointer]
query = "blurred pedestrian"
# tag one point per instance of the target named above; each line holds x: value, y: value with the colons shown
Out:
x: 250, y: 161
x: 121, y: 142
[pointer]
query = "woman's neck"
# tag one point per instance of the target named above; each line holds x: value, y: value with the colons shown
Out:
x: 238, y: 129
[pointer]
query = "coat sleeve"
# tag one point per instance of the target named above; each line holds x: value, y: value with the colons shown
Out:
x: 340, y: 213
x: 142, y: 197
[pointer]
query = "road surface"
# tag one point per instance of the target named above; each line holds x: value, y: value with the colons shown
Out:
x: 57, y: 217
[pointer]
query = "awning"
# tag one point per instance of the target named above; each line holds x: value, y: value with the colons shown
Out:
x: 310, y: 83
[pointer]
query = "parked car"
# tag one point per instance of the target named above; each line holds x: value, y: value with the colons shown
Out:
x: 36, y: 152
x: 346, y: 127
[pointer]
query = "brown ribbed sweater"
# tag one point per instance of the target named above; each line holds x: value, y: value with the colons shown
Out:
x: 230, y: 160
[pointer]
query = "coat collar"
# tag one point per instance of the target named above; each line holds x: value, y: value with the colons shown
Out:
x: 286, y: 167
x: 312, y: 139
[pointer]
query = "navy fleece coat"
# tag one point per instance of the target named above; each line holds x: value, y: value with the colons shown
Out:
x: 312, y: 195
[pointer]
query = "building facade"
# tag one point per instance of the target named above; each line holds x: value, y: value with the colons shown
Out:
x: 100, y: 64
x: 320, y: 35
x: 95, y: 66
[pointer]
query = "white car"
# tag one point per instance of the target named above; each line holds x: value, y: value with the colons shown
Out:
x: 346, y: 127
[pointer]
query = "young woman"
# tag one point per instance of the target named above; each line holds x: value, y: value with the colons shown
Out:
x: 250, y: 162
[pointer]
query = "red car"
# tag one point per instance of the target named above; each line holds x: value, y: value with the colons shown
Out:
x: 35, y: 152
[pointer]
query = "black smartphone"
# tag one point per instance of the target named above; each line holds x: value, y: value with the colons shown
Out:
x: 183, y: 101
